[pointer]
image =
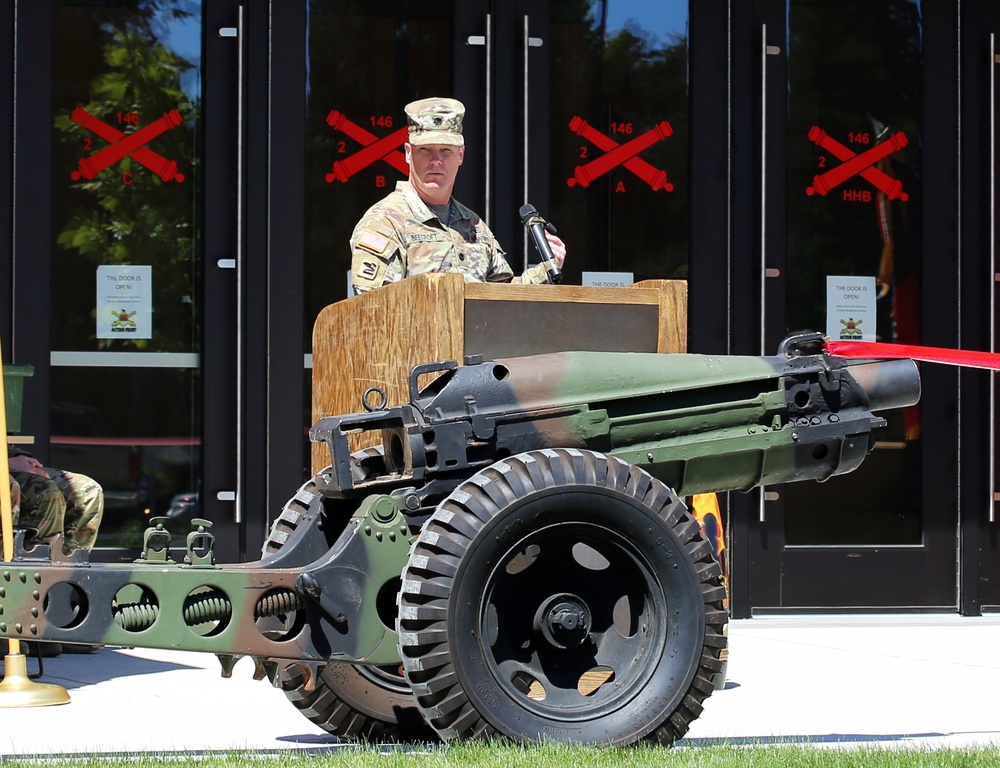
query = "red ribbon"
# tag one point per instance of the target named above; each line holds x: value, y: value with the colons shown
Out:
x: 873, y: 349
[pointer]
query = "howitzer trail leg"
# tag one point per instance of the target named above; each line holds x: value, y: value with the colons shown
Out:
x: 562, y: 594
x: 357, y: 701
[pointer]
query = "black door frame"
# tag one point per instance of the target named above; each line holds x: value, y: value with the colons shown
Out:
x: 6, y: 190
x: 276, y: 242
x: 980, y: 536
x: 28, y: 341
x: 506, y: 97
x: 259, y: 148
x: 223, y: 389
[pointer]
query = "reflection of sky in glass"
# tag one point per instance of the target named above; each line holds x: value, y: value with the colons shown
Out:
x: 662, y: 18
x: 657, y: 16
x: 183, y: 37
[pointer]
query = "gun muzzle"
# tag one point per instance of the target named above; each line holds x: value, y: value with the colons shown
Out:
x: 888, y: 383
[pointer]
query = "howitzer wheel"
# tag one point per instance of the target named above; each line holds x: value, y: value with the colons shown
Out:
x: 368, y: 702
x: 562, y: 594
x: 358, y: 701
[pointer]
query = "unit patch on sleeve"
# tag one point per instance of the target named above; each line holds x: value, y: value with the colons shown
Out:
x: 369, y: 269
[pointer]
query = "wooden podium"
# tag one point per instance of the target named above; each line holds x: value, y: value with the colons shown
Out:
x: 373, y: 340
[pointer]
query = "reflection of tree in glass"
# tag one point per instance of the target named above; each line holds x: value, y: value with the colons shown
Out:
x: 622, y: 82
x: 869, y: 81
x: 415, y: 61
x: 118, y: 65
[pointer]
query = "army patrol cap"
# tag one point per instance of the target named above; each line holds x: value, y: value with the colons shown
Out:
x: 435, y: 121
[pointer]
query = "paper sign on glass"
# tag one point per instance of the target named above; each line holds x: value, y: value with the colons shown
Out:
x: 850, y: 308
x: 124, y: 302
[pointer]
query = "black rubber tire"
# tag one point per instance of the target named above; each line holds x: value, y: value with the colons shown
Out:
x: 297, y: 511
x: 351, y: 701
x: 539, y: 572
x: 306, y: 504
x: 355, y: 701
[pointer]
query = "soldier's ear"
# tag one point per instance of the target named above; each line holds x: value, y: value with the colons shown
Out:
x: 461, y: 154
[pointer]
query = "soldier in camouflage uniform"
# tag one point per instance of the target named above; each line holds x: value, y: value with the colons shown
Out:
x: 420, y: 227
x: 53, y: 501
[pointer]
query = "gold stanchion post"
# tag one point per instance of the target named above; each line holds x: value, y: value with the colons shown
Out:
x: 16, y: 689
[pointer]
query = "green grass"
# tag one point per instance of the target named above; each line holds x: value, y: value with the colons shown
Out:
x: 550, y: 756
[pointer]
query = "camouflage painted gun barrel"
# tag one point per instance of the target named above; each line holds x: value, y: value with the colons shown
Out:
x: 512, y: 557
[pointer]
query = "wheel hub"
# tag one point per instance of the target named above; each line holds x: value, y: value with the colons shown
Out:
x: 563, y: 621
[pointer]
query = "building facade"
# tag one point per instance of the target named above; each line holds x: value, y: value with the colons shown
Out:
x: 184, y: 176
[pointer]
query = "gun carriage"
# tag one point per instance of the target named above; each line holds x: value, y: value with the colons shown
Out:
x: 510, y: 554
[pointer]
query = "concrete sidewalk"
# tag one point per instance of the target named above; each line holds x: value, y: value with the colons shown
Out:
x: 913, y: 680
x: 921, y: 680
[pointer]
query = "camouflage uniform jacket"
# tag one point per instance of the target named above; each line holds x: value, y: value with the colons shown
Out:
x: 400, y: 236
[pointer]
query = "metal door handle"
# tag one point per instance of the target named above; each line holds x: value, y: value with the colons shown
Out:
x: 527, y: 42
x: 765, y: 51
x: 487, y: 41
x: 237, y: 263
x: 993, y: 286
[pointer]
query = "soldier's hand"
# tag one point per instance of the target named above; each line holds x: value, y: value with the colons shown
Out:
x: 27, y: 464
x: 558, y: 249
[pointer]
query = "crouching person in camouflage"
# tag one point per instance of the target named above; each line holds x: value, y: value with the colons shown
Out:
x: 15, y: 496
x: 54, y: 501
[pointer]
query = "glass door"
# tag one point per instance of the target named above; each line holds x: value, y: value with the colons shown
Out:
x: 142, y: 376
x: 578, y: 108
x: 619, y: 137
x: 848, y: 152
x: 355, y: 125
x: 584, y: 108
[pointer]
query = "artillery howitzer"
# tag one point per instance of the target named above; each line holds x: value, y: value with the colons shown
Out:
x: 513, y: 559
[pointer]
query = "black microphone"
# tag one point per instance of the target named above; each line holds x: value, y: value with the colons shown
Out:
x: 536, y: 226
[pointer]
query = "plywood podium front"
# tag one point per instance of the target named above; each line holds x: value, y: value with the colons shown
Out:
x: 373, y: 340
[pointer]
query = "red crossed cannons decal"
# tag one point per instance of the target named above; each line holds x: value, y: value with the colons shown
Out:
x: 372, y: 148
x: 121, y: 145
x: 620, y: 154
x: 386, y: 148
x: 853, y: 164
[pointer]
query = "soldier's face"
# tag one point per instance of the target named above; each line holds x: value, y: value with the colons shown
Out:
x: 433, y: 168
